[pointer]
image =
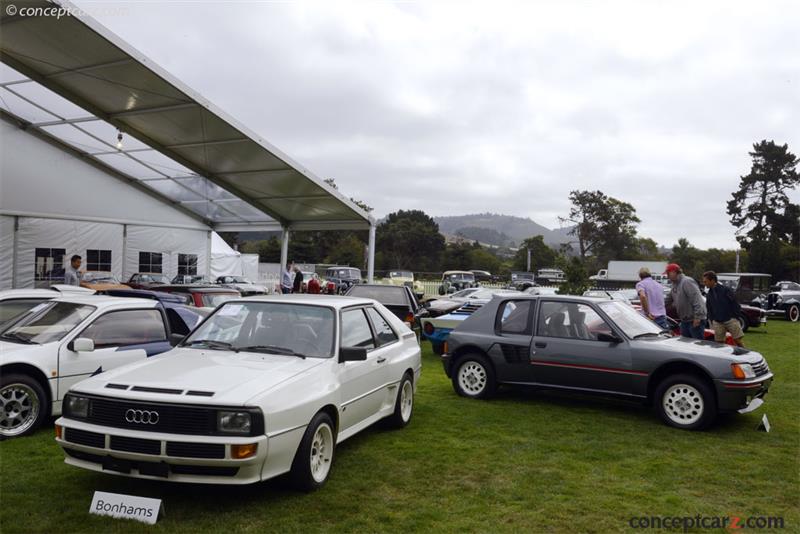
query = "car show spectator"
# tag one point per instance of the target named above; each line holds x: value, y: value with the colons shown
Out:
x: 312, y: 286
x: 688, y: 302
x: 297, y: 286
x: 651, y: 297
x: 723, y: 310
x: 286, y: 279
x: 72, y: 274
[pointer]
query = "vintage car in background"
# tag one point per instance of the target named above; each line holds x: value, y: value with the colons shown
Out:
x: 522, y: 280
x: 405, y: 278
x: 100, y: 280
x: 58, y: 343
x: 339, y: 279
x: 482, y: 276
x: 784, y: 300
x: 148, y: 280
x: 399, y: 300
x: 453, y: 281
x: 265, y: 386
x: 750, y: 288
x: 603, y: 347
x: 15, y: 302
x: 202, y: 296
x: 241, y: 284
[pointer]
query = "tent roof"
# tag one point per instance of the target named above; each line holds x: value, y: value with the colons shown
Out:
x: 73, y: 80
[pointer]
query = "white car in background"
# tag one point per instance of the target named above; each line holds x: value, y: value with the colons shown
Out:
x: 14, y: 302
x: 242, y: 285
x: 265, y: 386
x: 59, y: 342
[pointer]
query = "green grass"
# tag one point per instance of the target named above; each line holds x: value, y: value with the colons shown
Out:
x: 525, y: 461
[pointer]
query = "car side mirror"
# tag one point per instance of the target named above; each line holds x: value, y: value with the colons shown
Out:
x: 609, y: 338
x: 175, y: 339
x: 352, y: 354
x: 81, y: 344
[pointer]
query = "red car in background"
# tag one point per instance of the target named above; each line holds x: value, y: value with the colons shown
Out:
x: 148, y: 280
x: 203, y: 296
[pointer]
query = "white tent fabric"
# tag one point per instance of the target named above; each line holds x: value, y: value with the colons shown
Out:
x: 75, y: 237
x: 6, y: 245
x: 224, y: 260
x: 170, y: 243
x: 250, y: 267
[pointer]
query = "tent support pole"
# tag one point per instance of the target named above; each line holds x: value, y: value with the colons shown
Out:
x: 284, y: 251
x: 371, y: 255
x: 14, y: 255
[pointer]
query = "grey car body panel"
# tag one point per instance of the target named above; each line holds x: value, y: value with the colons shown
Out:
x: 628, y: 368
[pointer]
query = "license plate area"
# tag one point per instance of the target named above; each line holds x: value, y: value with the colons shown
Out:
x: 115, y: 464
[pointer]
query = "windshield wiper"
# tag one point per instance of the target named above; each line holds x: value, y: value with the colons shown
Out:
x: 270, y: 348
x: 18, y: 338
x: 646, y: 334
x: 212, y: 344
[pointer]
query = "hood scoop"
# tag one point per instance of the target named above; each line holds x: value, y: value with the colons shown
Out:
x: 165, y: 391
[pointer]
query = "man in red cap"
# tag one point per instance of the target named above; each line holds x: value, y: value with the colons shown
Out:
x: 688, y: 302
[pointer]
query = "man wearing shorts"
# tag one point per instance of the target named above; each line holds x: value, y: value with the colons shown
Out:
x: 723, y: 310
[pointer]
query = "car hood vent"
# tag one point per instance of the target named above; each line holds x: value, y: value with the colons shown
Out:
x: 166, y: 391
x: 117, y: 386
x: 200, y: 393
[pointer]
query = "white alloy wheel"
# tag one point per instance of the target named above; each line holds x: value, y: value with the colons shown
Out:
x: 321, y: 453
x: 683, y: 404
x: 19, y: 408
x: 406, y: 400
x: 472, y: 377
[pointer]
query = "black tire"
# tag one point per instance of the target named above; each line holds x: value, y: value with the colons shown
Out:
x: 21, y: 394
x: 793, y: 313
x: 683, y: 391
x: 401, y: 417
x: 479, y: 381
x: 301, y: 477
x: 744, y: 323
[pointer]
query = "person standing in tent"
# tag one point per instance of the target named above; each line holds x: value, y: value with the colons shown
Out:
x: 297, y: 287
x: 286, y: 279
x: 72, y: 276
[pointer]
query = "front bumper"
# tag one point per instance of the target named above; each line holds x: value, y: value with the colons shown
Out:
x: 735, y: 395
x: 446, y: 361
x: 105, y: 454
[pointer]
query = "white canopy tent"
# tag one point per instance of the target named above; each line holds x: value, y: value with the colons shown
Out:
x: 224, y: 260
x: 71, y: 81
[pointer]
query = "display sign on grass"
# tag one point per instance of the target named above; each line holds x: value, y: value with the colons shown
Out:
x: 117, y: 505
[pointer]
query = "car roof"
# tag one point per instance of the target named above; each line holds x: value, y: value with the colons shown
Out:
x: 337, y: 302
x: 105, y: 301
x: 457, y: 272
x: 29, y: 293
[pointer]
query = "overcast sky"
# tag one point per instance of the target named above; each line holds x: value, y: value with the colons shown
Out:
x: 455, y: 108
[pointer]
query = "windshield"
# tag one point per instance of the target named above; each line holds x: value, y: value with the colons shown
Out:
x: 401, y: 274
x: 47, y: 322
x: 239, y: 280
x: 159, y: 278
x: 629, y: 320
x: 462, y: 277
x: 272, y: 327
x: 386, y: 295
x: 91, y: 276
x: 212, y: 300
x: 522, y: 276
x: 732, y: 283
x: 344, y: 273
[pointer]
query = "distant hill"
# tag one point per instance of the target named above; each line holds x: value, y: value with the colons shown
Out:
x: 494, y: 228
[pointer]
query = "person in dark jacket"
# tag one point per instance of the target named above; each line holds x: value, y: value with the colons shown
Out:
x: 723, y: 309
x: 297, y: 287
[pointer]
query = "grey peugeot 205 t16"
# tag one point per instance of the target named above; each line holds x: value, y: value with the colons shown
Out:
x: 605, y: 347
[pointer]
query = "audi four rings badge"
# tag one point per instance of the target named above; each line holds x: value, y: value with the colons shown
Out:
x: 144, y: 417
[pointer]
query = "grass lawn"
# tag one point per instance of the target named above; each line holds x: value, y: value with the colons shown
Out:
x: 525, y: 461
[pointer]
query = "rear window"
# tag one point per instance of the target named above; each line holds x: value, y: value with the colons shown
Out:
x: 386, y: 295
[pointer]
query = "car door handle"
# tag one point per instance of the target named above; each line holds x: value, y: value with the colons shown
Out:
x: 540, y: 344
x: 381, y: 359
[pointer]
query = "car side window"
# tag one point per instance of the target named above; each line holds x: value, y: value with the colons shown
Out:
x: 355, y: 330
x: 383, y: 332
x: 126, y: 327
x: 513, y: 317
x: 570, y: 320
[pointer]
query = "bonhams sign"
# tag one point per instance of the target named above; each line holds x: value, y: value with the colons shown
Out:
x: 126, y: 506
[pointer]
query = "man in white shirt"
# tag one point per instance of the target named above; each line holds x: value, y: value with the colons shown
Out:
x: 286, y: 279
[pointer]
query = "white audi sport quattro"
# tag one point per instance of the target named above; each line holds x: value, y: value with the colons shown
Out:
x: 61, y: 341
x: 264, y: 386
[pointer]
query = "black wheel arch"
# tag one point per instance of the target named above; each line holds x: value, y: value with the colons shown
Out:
x: 463, y: 350
x: 35, y: 373
x: 676, y: 367
x: 333, y: 413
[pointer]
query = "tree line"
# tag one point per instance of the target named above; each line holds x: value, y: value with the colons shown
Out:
x: 603, y: 228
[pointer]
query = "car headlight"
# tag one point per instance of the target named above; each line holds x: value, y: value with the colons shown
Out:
x: 743, y: 370
x: 234, y: 422
x: 75, y: 406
